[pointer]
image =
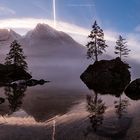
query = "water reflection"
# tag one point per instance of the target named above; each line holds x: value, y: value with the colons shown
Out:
x: 14, y: 95
x: 107, y: 124
x: 107, y: 77
x: 96, y: 107
x: 2, y: 100
x: 104, y: 120
x: 121, y: 107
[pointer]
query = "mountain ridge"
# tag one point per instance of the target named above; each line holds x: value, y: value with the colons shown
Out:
x: 41, y: 31
x: 7, y: 35
x: 46, y: 32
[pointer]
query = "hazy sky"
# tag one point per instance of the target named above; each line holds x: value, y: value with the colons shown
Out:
x: 122, y: 15
x: 76, y: 17
x: 79, y: 12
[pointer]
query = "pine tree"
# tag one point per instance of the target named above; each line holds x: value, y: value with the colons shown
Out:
x: 121, y: 47
x: 96, y: 45
x: 16, y: 56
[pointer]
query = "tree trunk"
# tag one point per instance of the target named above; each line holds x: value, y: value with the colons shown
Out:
x: 120, y: 55
x: 96, y: 55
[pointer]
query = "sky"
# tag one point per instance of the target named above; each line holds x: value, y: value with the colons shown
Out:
x: 75, y: 17
x: 121, y: 15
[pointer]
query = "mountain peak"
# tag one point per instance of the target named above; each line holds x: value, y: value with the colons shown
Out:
x: 14, y: 34
x: 7, y: 35
x: 42, y: 26
x: 44, y: 31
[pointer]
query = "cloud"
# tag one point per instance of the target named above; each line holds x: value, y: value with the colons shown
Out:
x: 6, y: 11
x: 80, y: 34
x: 137, y: 28
x: 26, y: 24
x: 30, y: 23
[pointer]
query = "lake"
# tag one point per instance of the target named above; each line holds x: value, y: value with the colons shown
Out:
x: 58, y: 110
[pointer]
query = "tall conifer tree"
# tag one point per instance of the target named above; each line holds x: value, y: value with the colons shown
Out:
x: 16, y: 56
x: 121, y: 47
x: 96, y: 46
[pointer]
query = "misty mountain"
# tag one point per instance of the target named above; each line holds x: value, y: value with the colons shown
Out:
x: 48, y: 42
x: 55, y: 55
x: 8, y: 35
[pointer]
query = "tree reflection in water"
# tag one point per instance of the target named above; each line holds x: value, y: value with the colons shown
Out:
x: 14, y: 95
x: 97, y: 108
x: 107, y: 77
x: 121, y: 107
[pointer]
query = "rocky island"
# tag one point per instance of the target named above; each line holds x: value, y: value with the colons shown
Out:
x: 107, y: 76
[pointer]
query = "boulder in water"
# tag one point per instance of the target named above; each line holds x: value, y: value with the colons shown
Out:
x: 107, y: 76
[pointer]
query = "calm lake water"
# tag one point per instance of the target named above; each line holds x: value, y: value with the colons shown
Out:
x: 58, y: 110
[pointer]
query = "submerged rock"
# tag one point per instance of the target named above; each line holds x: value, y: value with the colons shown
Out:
x: 30, y: 82
x: 107, y: 76
x: 34, y: 82
x: 133, y: 90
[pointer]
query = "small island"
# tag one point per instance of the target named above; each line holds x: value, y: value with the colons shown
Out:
x: 15, y: 69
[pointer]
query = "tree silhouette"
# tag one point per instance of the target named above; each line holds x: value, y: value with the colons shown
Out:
x: 121, y: 47
x: 96, y: 45
x: 16, y: 56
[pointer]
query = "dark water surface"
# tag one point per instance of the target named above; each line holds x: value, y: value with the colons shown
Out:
x: 58, y: 111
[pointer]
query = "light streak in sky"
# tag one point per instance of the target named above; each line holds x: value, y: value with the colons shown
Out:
x: 54, y: 13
